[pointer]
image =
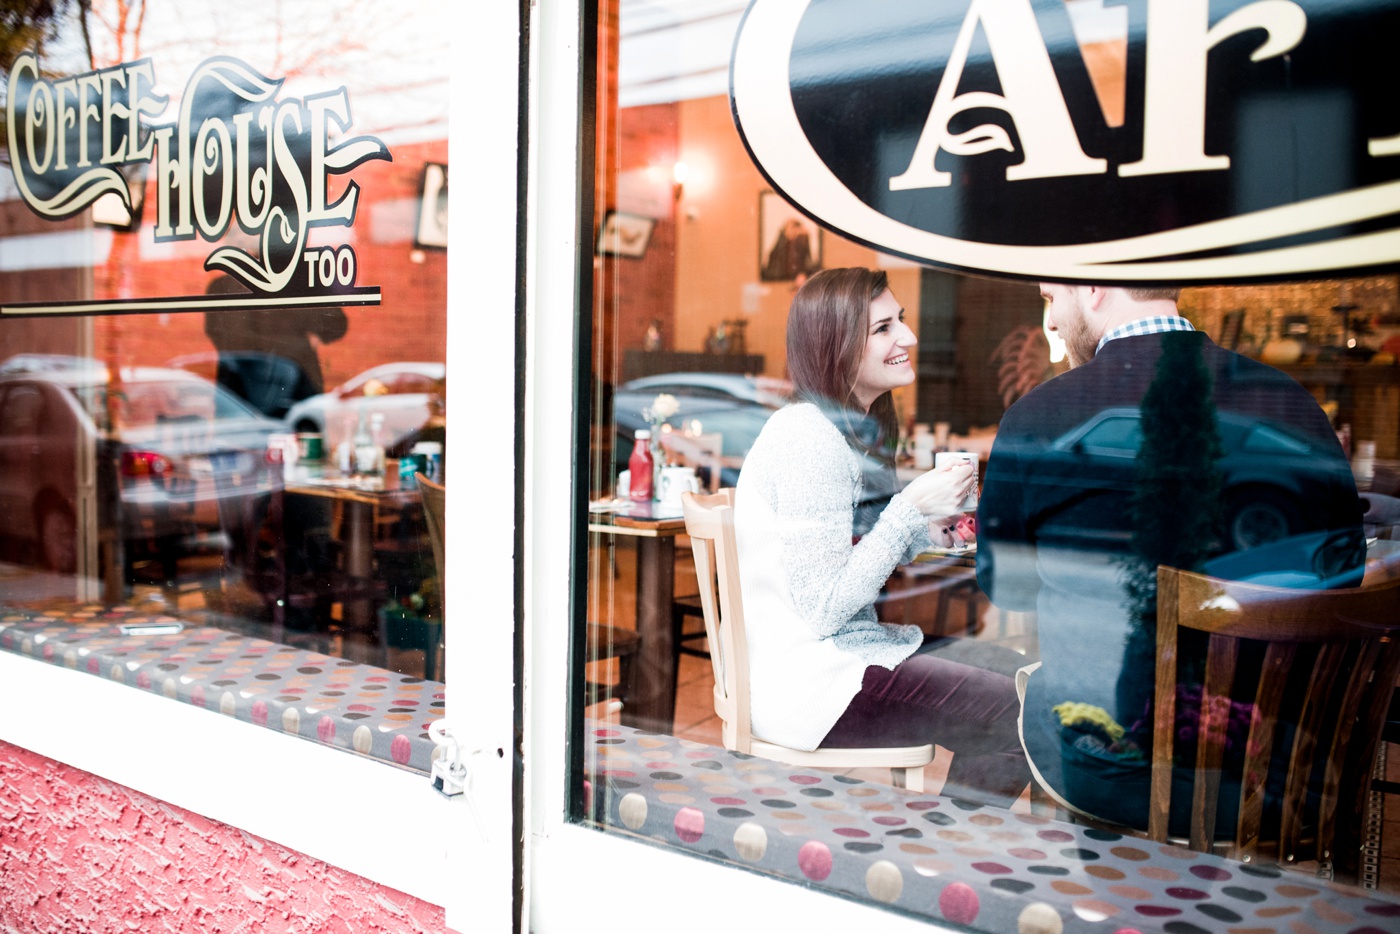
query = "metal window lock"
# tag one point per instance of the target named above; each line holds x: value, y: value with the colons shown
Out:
x: 451, y: 775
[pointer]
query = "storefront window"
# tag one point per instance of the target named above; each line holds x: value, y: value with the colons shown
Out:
x: 223, y: 279
x: 1164, y: 457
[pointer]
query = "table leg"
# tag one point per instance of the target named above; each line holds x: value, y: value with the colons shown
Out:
x: 653, y: 706
x: 356, y: 613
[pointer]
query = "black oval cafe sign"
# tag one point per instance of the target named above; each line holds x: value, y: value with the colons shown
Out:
x: 1259, y: 140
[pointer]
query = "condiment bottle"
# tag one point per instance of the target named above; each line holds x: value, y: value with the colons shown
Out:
x: 345, y: 450
x: 640, y: 465
x: 364, y: 449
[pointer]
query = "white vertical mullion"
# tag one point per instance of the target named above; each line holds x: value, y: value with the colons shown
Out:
x: 551, y: 319
x: 481, y: 322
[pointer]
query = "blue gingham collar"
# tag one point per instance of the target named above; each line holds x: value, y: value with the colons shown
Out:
x: 1155, y: 324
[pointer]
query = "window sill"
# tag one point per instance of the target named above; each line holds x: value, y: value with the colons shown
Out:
x: 367, y: 710
x: 350, y: 810
x: 932, y: 857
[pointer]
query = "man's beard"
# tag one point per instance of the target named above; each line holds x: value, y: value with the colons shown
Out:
x: 1079, y: 343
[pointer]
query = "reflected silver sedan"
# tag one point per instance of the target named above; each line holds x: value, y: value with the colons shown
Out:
x: 160, y: 450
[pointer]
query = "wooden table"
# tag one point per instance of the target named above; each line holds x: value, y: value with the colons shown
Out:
x: 360, y: 499
x: 652, y: 705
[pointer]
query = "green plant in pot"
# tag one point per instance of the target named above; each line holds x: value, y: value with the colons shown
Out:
x: 414, y: 621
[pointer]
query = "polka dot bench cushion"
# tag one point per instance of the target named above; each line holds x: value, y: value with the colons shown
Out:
x: 370, y: 711
x: 945, y: 859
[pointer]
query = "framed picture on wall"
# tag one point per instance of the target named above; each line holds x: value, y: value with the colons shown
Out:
x: 789, y: 243
x: 431, y: 232
x: 625, y: 234
x: 1231, y: 325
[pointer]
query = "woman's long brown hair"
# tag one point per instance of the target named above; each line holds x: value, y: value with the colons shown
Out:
x: 826, y: 332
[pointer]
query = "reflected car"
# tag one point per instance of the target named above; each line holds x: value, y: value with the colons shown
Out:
x: 1272, y: 474
x: 401, y: 392
x: 730, y: 404
x: 177, y: 448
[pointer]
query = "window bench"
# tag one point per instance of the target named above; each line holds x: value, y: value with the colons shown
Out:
x: 940, y: 858
x: 369, y: 711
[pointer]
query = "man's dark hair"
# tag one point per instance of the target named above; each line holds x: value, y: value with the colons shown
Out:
x: 1153, y: 295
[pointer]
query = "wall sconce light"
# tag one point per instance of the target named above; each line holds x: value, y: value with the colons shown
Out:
x: 679, y: 173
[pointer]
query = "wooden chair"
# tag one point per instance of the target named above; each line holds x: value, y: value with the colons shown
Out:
x: 434, y: 515
x: 709, y: 521
x: 422, y: 633
x: 1342, y: 644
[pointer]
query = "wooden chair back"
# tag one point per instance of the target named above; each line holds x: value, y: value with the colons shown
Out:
x: 709, y: 521
x: 1342, y: 645
x: 434, y: 514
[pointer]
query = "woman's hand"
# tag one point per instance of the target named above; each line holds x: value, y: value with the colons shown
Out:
x: 939, y: 493
x: 957, y: 532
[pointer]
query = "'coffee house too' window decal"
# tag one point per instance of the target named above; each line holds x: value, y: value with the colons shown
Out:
x: 235, y: 154
x: 1216, y: 141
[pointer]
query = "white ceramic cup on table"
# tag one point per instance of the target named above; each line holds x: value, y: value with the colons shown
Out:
x: 945, y: 458
x: 675, y: 481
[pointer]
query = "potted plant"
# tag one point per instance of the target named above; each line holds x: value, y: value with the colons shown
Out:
x: 414, y: 621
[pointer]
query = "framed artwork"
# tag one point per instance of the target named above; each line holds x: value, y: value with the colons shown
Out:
x: 431, y: 232
x: 625, y: 234
x: 789, y: 243
x: 1230, y: 327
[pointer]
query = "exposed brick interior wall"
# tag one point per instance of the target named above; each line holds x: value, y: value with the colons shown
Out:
x: 84, y: 855
x: 410, y: 324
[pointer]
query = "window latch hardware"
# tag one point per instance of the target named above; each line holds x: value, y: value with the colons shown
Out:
x: 451, y: 775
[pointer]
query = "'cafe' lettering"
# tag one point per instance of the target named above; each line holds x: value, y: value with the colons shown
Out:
x: 235, y: 153
x: 1257, y: 138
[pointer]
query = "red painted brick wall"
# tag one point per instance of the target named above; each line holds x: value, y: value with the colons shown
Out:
x: 83, y: 855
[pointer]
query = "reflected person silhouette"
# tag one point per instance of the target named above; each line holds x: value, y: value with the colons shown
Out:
x: 266, y: 355
x: 1156, y: 447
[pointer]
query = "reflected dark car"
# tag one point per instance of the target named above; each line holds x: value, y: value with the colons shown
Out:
x: 730, y: 404
x: 1272, y: 475
x: 174, y: 444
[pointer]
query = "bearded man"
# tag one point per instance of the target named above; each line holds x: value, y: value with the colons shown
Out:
x: 1156, y: 447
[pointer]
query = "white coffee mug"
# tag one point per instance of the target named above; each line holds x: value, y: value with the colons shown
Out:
x: 944, y: 458
x: 624, y: 484
x: 677, y: 480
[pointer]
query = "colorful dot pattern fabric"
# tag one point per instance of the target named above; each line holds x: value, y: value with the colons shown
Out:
x: 952, y: 861
x: 365, y: 710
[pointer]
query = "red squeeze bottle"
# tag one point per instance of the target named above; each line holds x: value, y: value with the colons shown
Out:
x: 640, y: 466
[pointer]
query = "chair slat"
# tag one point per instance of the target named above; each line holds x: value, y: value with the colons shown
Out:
x: 1259, y: 746
x: 1333, y: 792
x: 1324, y: 674
x: 1164, y: 709
x: 1210, y: 739
x: 1361, y: 756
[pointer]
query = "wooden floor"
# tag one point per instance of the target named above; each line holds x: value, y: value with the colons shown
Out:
x: 612, y: 600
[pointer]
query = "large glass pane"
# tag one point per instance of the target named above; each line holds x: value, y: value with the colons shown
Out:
x: 223, y: 279
x: 1252, y: 441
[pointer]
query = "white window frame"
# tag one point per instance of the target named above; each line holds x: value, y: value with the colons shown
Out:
x: 572, y: 870
x: 364, y: 816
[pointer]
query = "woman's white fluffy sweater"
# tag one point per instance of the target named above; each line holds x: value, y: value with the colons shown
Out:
x: 808, y: 592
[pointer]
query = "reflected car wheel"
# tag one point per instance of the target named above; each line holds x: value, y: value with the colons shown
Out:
x: 1261, y: 517
x: 58, y: 539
